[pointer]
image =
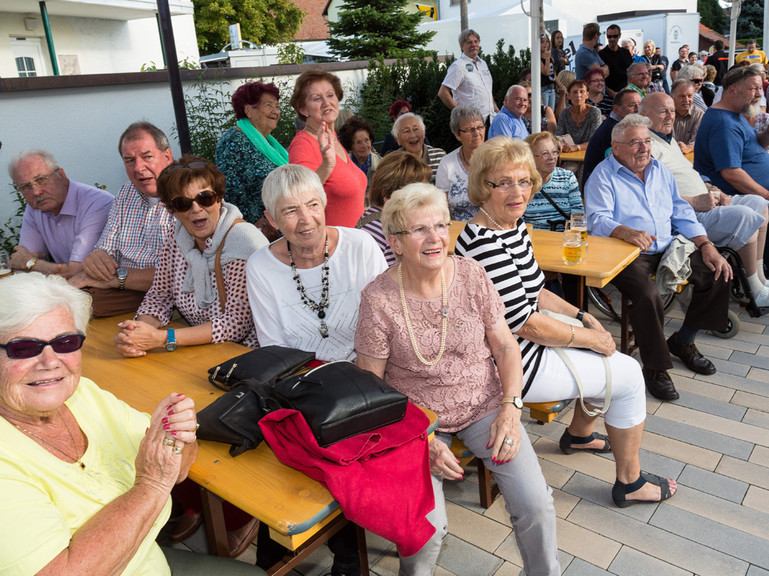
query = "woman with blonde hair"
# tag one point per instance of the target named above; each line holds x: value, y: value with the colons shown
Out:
x: 655, y: 61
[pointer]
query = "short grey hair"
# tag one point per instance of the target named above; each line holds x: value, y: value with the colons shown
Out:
x: 44, y: 155
x: 636, y: 66
x: 691, y: 71
x: 286, y: 182
x: 629, y: 121
x: 679, y: 84
x: 758, y: 67
x: 466, y: 33
x: 461, y: 114
x: 739, y: 74
x: 27, y: 297
x: 402, y: 118
x: 513, y: 87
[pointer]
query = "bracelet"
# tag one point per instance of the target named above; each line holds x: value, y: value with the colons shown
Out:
x: 571, y: 340
x: 701, y: 246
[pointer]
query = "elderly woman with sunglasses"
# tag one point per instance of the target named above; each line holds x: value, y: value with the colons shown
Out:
x: 433, y: 327
x: 561, y: 358
x: 85, y: 478
x: 202, y: 269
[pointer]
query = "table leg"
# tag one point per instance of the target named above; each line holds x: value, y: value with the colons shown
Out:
x: 214, y: 517
x: 362, y: 551
x: 581, y: 297
x: 301, y: 553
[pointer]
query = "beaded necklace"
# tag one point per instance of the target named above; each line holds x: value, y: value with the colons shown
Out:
x: 490, y: 218
x: 444, y: 320
x: 317, y: 307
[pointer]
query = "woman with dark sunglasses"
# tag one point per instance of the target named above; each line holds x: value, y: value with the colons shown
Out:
x: 201, y: 272
x: 85, y: 478
x: 211, y: 297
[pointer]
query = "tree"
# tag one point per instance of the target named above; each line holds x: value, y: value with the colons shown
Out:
x: 377, y: 28
x: 712, y: 15
x: 261, y: 21
x: 751, y: 21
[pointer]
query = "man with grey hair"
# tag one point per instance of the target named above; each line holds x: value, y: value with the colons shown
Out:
x: 121, y: 268
x: 63, y: 218
x: 632, y: 196
x: 703, y: 96
x: 639, y: 77
x: 688, y: 116
x: 738, y: 223
x: 468, y: 80
x: 727, y: 149
x: 509, y: 121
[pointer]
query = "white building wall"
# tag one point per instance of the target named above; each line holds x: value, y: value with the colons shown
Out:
x: 101, y: 46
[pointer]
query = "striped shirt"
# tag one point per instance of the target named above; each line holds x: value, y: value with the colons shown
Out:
x: 371, y: 222
x: 564, y: 190
x: 136, y: 229
x: 432, y: 157
x: 509, y: 261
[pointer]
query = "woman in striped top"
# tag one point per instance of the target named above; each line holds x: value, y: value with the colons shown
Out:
x: 502, y: 179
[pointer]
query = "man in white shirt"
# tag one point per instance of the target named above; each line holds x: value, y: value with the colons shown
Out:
x: 468, y: 80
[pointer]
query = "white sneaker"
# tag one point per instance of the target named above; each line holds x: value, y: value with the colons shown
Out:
x: 762, y: 298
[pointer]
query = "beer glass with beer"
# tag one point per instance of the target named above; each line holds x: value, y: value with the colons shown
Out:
x: 572, y: 246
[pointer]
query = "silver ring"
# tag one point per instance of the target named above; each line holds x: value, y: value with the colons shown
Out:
x: 509, y: 441
x: 168, y: 442
x: 440, y: 472
x: 197, y: 426
x: 178, y: 450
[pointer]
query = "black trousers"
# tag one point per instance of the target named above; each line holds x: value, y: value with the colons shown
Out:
x: 707, y: 311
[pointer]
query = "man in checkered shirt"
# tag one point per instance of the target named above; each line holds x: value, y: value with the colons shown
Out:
x: 122, y: 266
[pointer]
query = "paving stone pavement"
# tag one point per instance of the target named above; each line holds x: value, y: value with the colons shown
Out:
x: 714, y: 441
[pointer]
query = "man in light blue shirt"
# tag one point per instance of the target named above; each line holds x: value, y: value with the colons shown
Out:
x: 633, y: 197
x: 509, y: 121
x: 587, y: 56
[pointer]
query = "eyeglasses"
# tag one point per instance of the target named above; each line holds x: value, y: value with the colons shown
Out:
x: 506, y: 185
x: 38, y: 182
x: 697, y: 80
x: 205, y: 199
x: 474, y: 129
x: 612, y: 36
x: 547, y: 155
x: 636, y: 144
x: 644, y: 73
x: 31, y: 347
x: 420, y: 232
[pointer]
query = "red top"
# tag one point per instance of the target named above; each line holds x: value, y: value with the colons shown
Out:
x: 345, y: 187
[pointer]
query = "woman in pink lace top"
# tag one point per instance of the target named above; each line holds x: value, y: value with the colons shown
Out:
x: 434, y: 328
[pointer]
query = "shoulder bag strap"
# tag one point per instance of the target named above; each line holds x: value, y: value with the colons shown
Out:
x: 218, y: 266
x: 558, y: 208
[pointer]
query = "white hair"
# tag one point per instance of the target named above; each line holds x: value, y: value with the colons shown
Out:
x: 44, y: 155
x: 629, y: 121
x: 286, y: 182
x: 402, y: 118
x: 27, y: 297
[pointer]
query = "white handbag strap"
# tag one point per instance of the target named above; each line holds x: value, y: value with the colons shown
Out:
x: 607, y: 400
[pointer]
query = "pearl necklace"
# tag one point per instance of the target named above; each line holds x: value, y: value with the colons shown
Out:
x: 444, y: 320
x: 59, y: 450
x: 491, y: 219
x: 320, y: 306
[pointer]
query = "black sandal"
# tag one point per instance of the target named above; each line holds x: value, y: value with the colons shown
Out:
x: 620, y: 490
x: 567, y: 440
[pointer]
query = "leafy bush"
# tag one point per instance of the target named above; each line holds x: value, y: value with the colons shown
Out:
x: 418, y: 81
x: 9, y: 231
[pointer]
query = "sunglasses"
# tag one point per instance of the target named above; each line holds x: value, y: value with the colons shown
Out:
x: 205, y: 199
x: 31, y: 347
x: 612, y: 35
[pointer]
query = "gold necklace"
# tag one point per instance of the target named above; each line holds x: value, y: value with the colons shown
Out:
x: 444, y: 321
x: 59, y: 450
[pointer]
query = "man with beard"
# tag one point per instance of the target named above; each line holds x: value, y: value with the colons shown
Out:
x: 727, y: 149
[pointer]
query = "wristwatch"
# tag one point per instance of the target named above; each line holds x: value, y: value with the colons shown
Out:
x: 580, y: 315
x: 514, y: 400
x: 171, y: 340
x: 122, y: 274
x: 30, y: 264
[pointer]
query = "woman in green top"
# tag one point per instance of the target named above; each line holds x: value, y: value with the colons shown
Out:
x: 247, y: 152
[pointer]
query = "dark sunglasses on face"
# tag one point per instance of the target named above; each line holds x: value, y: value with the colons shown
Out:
x: 205, y: 199
x: 31, y: 347
x: 612, y: 35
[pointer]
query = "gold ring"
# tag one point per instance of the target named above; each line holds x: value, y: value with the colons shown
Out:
x: 197, y: 426
x: 178, y: 450
x: 168, y: 442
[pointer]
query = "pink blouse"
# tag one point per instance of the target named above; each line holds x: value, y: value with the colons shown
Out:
x: 464, y: 385
x: 345, y: 187
x: 235, y: 324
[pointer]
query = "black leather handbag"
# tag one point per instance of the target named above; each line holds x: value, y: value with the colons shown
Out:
x: 266, y: 365
x: 339, y: 400
x: 234, y: 417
